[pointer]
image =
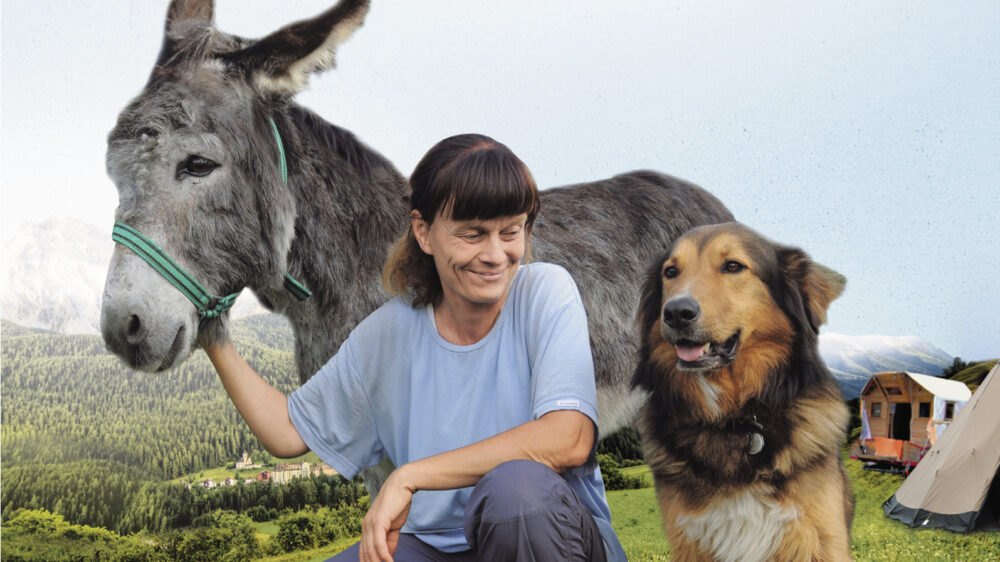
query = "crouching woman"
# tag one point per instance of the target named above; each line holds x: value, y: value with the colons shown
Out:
x: 476, y: 381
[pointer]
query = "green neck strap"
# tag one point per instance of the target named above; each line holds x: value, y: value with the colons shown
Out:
x: 208, y: 306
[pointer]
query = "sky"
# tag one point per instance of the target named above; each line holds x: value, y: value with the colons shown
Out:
x: 866, y: 133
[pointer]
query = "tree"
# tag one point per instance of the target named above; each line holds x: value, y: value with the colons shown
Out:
x: 957, y: 366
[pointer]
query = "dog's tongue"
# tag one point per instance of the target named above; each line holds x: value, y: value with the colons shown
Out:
x: 690, y: 354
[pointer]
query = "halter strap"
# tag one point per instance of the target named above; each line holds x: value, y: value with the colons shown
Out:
x: 281, y: 151
x: 208, y: 306
x: 292, y: 285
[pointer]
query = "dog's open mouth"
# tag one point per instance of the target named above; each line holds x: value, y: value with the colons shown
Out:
x: 699, y: 356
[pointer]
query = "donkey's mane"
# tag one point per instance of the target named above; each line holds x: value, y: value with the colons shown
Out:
x: 335, y: 140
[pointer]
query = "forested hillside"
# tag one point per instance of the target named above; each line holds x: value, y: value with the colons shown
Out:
x: 65, y: 398
x: 94, y: 441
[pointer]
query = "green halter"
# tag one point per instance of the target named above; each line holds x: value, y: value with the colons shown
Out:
x: 208, y: 306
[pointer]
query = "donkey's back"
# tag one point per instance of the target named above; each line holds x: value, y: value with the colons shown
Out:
x: 606, y: 233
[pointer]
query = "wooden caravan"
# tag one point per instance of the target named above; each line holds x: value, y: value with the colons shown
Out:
x: 903, y: 414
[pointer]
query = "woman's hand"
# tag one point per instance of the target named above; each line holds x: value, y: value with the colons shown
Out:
x: 385, y: 517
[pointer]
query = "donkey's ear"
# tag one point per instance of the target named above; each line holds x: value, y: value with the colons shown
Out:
x: 819, y: 285
x: 282, y: 62
x: 201, y: 11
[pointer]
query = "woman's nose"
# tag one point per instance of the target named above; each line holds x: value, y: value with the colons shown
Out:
x: 492, y: 252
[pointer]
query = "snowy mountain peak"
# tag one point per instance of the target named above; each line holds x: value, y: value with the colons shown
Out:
x: 53, y: 276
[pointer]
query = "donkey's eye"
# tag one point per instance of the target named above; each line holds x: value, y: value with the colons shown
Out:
x: 670, y: 272
x: 732, y: 266
x: 196, y: 166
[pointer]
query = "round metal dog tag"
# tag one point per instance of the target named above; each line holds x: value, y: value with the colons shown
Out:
x: 755, y: 444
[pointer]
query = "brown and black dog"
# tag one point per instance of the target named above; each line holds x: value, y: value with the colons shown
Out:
x: 744, y: 422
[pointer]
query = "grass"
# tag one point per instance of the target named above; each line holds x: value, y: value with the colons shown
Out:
x: 874, y: 537
x: 636, y: 518
x: 641, y: 471
x: 878, y: 538
x: 314, y: 555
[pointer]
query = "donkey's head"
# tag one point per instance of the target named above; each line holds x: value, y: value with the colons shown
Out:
x: 197, y: 162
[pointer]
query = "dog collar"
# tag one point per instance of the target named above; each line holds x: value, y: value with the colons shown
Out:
x: 755, y: 439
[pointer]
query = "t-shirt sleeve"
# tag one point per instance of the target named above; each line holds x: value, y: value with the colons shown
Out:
x: 333, y: 415
x: 561, y: 361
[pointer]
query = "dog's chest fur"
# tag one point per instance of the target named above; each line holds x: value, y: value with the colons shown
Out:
x: 747, y: 527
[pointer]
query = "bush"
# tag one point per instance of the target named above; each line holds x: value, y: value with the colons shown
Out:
x: 44, y: 536
x: 221, y: 536
x: 297, y: 531
x: 314, y: 528
x: 260, y: 513
x: 612, y: 475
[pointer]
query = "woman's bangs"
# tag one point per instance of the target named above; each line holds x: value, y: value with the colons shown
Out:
x: 489, y: 184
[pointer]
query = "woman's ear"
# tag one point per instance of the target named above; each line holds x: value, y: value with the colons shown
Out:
x: 421, y: 231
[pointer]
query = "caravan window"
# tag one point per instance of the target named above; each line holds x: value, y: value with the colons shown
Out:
x: 925, y: 410
x: 949, y: 410
x: 876, y: 409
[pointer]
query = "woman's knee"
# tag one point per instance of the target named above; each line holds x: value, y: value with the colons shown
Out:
x: 523, y: 510
x: 517, y: 487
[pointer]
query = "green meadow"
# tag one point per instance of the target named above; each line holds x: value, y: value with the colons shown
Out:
x: 874, y: 537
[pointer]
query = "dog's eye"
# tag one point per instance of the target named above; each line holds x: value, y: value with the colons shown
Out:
x: 670, y: 272
x: 732, y: 266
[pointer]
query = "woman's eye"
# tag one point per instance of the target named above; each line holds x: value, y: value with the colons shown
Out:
x: 733, y: 267
x: 196, y: 166
x: 670, y: 272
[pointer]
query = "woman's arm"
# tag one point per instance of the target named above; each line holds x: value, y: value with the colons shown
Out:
x: 264, y: 408
x: 561, y: 440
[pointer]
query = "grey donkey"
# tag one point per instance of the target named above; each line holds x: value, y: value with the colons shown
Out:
x: 198, y: 165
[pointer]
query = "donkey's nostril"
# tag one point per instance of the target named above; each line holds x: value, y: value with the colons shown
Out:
x: 134, y: 327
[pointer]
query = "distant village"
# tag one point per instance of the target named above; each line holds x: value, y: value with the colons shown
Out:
x: 279, y: 474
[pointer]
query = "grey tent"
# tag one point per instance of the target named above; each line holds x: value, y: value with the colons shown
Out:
x: 955, y: 486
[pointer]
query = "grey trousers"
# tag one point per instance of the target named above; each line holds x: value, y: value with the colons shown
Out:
x: 521, y: 511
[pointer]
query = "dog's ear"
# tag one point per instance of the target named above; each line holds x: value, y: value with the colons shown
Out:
x: 650, y: 305
x: 648, y: 318
x: 817, y: 284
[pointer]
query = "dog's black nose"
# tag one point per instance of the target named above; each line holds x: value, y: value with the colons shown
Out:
x: 680, y: 311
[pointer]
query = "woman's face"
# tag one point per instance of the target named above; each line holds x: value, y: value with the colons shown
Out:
x: 475, y: 259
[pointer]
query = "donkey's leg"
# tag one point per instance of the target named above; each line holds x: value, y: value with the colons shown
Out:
x: 375, y: 476
x: 617, y: 406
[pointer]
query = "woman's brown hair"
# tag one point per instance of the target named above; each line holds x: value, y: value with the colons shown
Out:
x: 465, y: 177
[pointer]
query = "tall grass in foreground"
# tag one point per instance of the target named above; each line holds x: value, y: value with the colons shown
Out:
x: 873, y: 536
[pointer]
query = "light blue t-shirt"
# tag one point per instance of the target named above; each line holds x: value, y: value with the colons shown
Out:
x: 397, y: 388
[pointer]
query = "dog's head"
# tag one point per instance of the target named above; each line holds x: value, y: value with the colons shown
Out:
x: 726, y: 299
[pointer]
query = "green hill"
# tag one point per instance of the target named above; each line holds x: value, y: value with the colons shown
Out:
x: 66, y: 399
x: 974, y: 374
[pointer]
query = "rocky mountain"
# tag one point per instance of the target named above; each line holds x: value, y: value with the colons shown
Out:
x: 53, y: 277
